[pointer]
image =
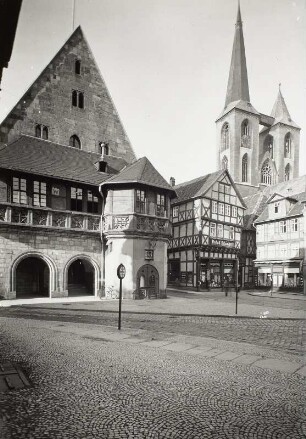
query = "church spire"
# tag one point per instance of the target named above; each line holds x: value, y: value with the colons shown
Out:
x: 238, y: 86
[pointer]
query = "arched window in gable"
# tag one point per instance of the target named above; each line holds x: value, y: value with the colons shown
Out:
x: 225, y: 162
x: 287, y: 172
x: 45, y: 133
x: 38, y: 130
x: 287, y: 146
x: 266, y: 173
x: 268, y: 145
x: 77, y: 67
x: 225, y: 137
x: 75, y: 142
x: 244, y: 165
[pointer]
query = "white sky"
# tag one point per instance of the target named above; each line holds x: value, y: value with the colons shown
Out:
x: 166, y: 65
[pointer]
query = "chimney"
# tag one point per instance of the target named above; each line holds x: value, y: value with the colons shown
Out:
x: 102, y: 161
x: 172, y: 181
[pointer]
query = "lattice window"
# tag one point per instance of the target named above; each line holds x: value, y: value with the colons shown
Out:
x: 40, y: 217
x: 39, y: 193
x: 76, y: 198
x: 20, y: 190
x: 141, y: 201
x: 266, y: 173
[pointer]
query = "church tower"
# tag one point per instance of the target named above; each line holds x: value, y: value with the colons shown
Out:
x: 279, y: 146
x: 252, y: 156
x: 238, y: 125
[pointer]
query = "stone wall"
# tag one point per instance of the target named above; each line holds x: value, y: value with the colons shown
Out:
x: 57, y: 248
x: 49, y: 102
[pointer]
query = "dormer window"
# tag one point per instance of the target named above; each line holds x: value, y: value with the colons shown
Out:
x: 276, y: 207
x: 77, y: 99
x: 41, y: 131
x: 77, y: 67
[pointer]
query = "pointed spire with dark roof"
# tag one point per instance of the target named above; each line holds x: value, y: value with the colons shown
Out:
x: 238, y: 86
x: 280, y: 111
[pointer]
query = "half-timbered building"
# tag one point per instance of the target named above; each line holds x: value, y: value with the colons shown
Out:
x: 207, y: 220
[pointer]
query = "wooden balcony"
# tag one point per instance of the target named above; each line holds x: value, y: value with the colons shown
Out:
x: 24, y: 215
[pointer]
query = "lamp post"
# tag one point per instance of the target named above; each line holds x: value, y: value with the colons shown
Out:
x: 121, y: 274
x: 237, y: 274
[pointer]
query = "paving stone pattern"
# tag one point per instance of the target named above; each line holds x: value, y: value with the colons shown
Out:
x: 86, y: 387
x: 287, y: 335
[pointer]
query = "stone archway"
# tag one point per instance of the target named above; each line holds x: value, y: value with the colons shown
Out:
x: 147, y: 281
x: 33, y: 275
x: 81, y: 276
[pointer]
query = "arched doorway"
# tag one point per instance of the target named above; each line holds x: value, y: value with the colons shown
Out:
x: 32, y: 278
x: 81, y: 278
x: 148, y: 281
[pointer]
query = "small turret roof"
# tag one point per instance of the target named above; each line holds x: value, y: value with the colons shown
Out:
x: 143, y: 172
x: 280, y: 111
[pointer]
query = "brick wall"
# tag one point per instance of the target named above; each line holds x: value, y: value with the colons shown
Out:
x: 58, y: 246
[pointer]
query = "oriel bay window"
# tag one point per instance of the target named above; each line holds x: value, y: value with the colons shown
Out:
x: 140, y: 201
x: 160, y: 205
x: 76, y: 199
x: 20, y: 190
x: 92, y: 202
x: 39, y: 193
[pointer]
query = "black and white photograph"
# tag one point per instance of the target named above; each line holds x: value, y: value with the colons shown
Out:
x: 152, y: 219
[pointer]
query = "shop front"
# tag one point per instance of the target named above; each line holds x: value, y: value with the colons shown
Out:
x: 215, y: 273
x: 285, y: 275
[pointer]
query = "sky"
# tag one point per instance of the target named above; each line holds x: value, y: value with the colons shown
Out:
x: 166, y: 65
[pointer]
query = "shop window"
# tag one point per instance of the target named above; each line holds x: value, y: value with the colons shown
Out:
x: 39, y: 193
x: 160, y: 205
x: 20, y: 190
x: 140, y: 201
x: 76, y: 199
x: 92, y: 202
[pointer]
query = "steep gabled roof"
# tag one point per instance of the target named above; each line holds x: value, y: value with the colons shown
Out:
x: 199, y: 186
x: 41, y: 157
x: 295, y: 210
x: 142, y: 172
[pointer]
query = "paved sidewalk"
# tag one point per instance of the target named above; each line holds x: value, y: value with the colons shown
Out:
x: 237, y: 353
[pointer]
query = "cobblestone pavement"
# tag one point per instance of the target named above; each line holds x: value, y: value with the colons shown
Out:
x: 286, y: 335
x: 87, y: 387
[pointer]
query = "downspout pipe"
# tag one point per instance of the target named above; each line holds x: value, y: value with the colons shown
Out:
x: 102, y: 293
